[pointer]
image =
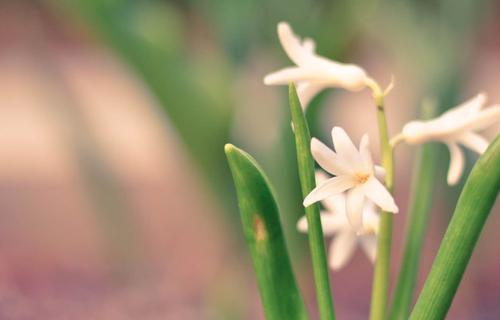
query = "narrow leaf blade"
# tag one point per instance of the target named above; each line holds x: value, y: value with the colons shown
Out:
x: 305, y: 165
x: 473, y: 208
x: 264, y: 236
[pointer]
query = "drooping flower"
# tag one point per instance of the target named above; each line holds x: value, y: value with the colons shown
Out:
x: 313, y: 73
x: 354, y: 172
x: 454, y: 127
x: 346, y: 239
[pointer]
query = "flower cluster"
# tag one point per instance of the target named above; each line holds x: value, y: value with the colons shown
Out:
x: 353, y: 191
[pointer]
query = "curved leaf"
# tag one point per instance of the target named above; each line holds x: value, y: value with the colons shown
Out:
x: 264, y: 236
x: 473, y: 208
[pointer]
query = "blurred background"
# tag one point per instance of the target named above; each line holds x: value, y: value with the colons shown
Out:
x: 115, y: 198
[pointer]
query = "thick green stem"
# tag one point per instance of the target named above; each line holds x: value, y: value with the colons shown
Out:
x: 383, y: 263
x: 418, y: 213
x: 307, y: 182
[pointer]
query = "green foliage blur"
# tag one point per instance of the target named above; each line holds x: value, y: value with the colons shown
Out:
x: 190, y: 52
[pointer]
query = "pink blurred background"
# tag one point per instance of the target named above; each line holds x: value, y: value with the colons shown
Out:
x: 104, y: 211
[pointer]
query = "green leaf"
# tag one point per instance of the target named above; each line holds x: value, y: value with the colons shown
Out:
x: 418, y: 213
x: 473, y: 208
x: 264, y: 236
x: 307, y: 180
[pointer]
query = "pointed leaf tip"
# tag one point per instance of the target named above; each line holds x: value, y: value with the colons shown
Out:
x: 264, y: 236
x: 228, y: 147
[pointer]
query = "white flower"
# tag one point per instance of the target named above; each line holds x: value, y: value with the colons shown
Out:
x: 313, y: 73
x: 354, y: 172
x: 454, y: 127
x: 334, y: 223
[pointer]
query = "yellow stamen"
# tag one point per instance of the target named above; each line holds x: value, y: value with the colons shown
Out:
x: 368, y: 229
x: 362, y: 177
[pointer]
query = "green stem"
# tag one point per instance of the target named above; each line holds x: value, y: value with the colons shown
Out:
x: 382, y: 265
x: 315, y: 233
x: 473, y: 208
x: 418, y: 213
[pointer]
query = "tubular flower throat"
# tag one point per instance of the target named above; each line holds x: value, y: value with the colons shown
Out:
x: 312, y: 72
x: 454, y: 127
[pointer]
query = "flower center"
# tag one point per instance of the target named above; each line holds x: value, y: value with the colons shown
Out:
x: 368, y: 229
x: 361, y: 177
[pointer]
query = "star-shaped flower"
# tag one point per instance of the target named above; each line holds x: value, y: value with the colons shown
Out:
x: 334, y: 223
x: 313, y: 73
x: 354, y: 172
x: 455, y: 127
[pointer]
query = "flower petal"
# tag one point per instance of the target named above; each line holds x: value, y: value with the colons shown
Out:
x: 379, y: 172
x: 481, y: 120
x: 313, y: 72
x: 416, y: 132
x: 364, y: 150
x: 345, y: 148
x: 343, y: 144
x: 302, y: 224
x: 328, y: 188
x: 371, y: 218
x: 376, y: 192
x: 342, y: 249
x: 456, y: 164
x: 354, y: 207
x: 319, y: 175
x: 296, y: 51
x: 309, y: 45
x: 291, y: 74
x: 369, y: 245
x: 467, y: 108
x: 474, y: 142
x: 336, y: 204
x: 448, y: 127
x: 330, y: 223
x: 306, y: 92
x: 328, y: 159
x: 347, y: 76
